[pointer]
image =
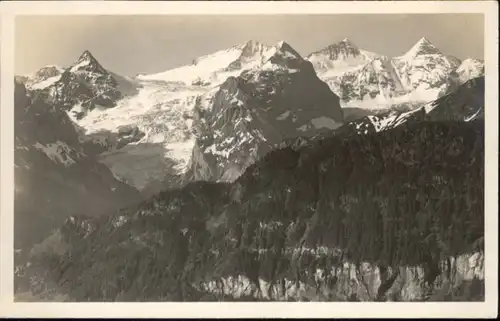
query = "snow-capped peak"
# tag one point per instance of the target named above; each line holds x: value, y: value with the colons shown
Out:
x: 252, y: 47
x: 86, y: 56
x: 346, y: 42
x: 44, y: 77
x: 422, y: 47
x: 281, y: 50
x: 338, y: 51
x: 215, y: 68
x: 47, y: 72
x: 470, y: 68
x: 471, y: 62
x: 87, y: 61
x: 284, y: 47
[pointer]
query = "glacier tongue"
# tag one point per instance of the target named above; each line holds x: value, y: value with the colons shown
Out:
x: 164, y: 113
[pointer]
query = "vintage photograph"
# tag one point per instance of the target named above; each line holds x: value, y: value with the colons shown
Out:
x: 224, y: 158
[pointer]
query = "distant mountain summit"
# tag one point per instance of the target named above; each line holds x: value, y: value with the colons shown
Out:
x: 425, y: 70
x: 44, y: 77
x: 422, y: 47
x: 470, y: 68
x: 83, y: 86
x: 355, y: 74
x: 215, y: 68
x: 87, y: 62
x: 339, y: 56
x: 369, y: 80
x: 341, y: 50
x: 87, y: 84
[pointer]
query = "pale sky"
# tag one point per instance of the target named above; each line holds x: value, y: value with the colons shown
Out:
x: 146, y: 44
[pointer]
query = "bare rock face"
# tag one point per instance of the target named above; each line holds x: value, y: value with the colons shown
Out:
x: 248, y: 115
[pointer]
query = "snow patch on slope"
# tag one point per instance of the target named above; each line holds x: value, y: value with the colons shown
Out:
x: 214, y: 68
x: 45, y: 83
x: 58, y: 152
x: 324, y: 122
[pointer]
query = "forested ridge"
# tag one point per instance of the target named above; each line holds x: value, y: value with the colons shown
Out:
x: 407, y: 199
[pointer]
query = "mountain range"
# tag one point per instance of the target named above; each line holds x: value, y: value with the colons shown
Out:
x: 244, y: 148
x: 149, y: 129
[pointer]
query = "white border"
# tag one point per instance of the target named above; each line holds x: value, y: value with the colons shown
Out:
x: 456, y: 309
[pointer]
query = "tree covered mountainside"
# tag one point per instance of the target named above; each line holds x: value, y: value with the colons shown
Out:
x: 391, y: 215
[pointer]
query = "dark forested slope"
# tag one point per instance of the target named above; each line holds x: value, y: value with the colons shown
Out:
x: 406, y: 200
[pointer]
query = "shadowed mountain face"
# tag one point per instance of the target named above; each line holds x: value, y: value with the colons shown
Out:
x: 54, y: 177
x: 243, y: 120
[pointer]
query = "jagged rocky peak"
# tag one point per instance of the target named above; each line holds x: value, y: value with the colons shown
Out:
x: 346, y: 44
x: 423, y: 47
x: 340, y: 50
x: 252, y: 48
x: 283, y: 55
x: 249, y: 54
x: 87, y: 62
x: 85, y: 83
x: 86, y: 56
x: 284, y: 47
